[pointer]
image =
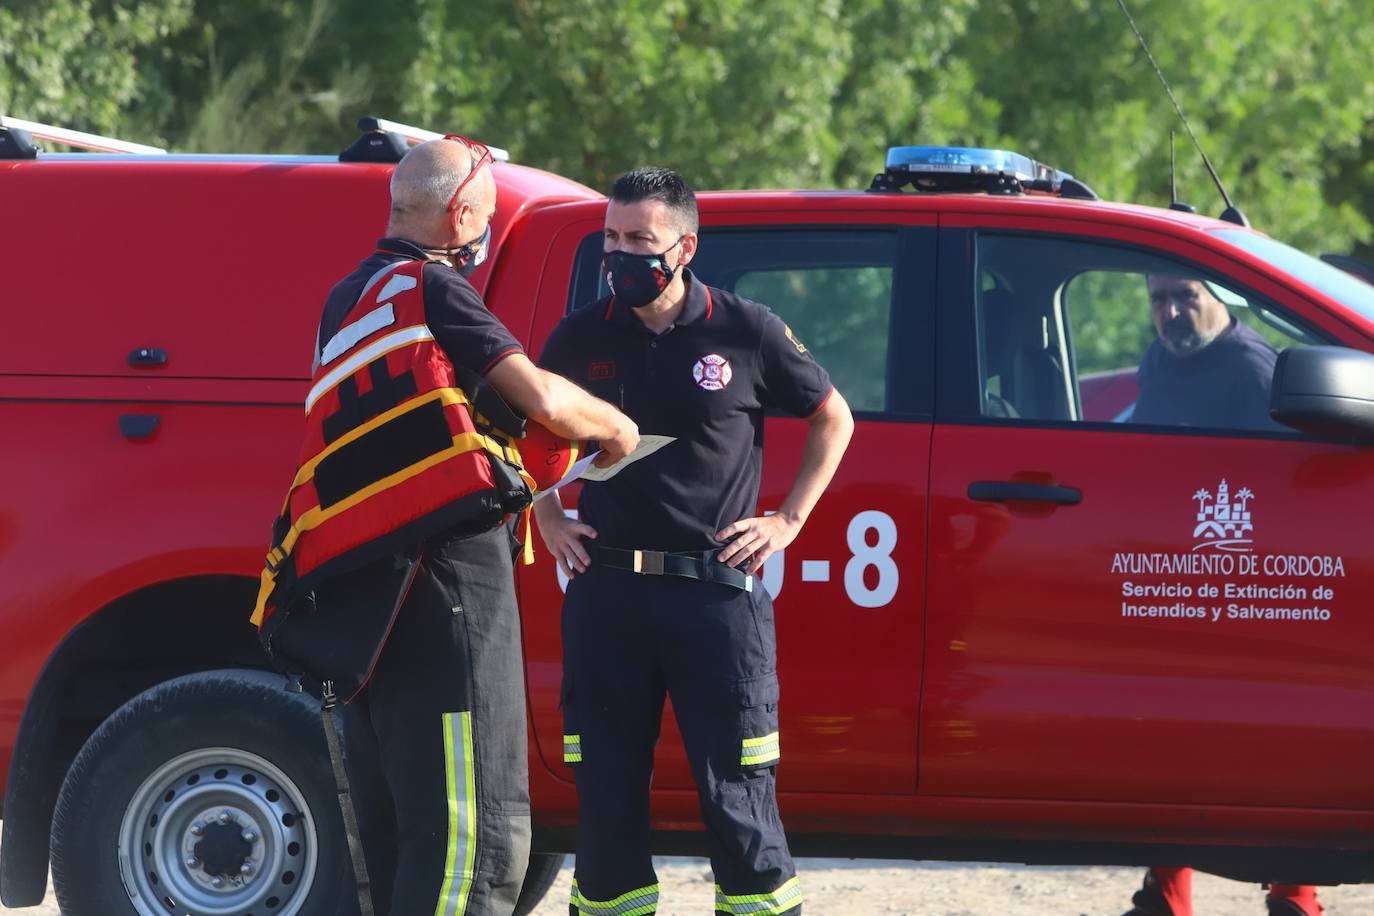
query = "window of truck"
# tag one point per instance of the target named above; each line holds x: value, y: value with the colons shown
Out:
x: 1065, y: 325
x: 1334, y: 282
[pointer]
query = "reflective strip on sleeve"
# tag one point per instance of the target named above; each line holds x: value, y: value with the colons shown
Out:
x: 461, y: 787
x: 760, y: 750
x: 572, y: 748
x: 786, y: 897
x: 639, y: 902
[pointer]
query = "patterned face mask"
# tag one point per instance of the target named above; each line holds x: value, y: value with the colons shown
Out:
x: 467, y: 258
x: 638, y: 279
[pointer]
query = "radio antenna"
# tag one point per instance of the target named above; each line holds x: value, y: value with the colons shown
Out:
x: 1232, y: 212
x: 1174, y: 203
x: 1173, y: 184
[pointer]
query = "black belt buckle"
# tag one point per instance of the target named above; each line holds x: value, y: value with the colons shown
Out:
x: 649, y: 562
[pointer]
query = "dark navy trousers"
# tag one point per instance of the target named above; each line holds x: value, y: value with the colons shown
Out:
x: 447, y: 831
x: 629, y: 640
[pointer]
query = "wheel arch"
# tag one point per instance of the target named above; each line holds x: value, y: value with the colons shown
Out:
x: 143, y: 638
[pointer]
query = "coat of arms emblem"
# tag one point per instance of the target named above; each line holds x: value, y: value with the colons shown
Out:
x: 1223, y: 523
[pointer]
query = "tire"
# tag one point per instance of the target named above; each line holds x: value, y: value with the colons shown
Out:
x: 539, y: 877
x: 219, y: 777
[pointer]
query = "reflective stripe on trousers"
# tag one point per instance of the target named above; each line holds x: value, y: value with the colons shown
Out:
x: 639, y: 902
x: 461, y: 785
x: 755, y: 751
x: 786, y: 897
x: 443, y: 718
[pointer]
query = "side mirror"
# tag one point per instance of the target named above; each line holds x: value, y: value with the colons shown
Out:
x: 1327, y: 392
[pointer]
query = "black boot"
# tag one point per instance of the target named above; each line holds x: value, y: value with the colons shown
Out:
x: 1149, y: 900
x: 1279, y: 906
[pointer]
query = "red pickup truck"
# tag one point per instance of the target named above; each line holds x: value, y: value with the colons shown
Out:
x: 1018, y: 627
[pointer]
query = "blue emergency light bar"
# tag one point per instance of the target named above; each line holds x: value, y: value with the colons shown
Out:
x: 963, y: 168
x: 965, y: 160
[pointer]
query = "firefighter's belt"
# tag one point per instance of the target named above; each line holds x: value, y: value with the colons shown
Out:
x: 699, y: 564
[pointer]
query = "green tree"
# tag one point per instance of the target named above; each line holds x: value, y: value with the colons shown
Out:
x: 277, y: 99
x: 735, y: 93
x: 78, y: 62
x: 768, y: 93
x: 1278, y: 94
x: 290, y: 76
x: 202, y: 75
x: 1350, y: 183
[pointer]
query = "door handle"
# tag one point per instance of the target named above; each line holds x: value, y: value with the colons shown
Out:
x: 1000, y: 491
x: 138, y: 427
x: 147, y: 358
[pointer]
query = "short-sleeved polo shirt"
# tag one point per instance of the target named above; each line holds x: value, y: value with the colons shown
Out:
x: 706, y: 381
x: 469, y: 334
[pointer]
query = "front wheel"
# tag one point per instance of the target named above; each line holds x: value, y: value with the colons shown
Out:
x: 209, y: 794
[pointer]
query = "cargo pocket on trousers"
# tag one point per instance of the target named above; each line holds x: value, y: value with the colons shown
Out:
x: 572, y: 736
x: 758, y: 722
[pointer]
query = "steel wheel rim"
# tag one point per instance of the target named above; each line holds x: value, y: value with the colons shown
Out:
x: 222, y: 791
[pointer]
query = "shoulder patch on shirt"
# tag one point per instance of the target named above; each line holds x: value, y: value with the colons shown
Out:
x: 801, y: 348
x: 712, y: 372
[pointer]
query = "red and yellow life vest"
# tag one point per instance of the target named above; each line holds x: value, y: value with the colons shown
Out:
x: 396, y: 448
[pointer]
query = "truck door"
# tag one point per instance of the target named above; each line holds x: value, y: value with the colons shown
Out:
x: 1128, y: 608
x: 850, y: 591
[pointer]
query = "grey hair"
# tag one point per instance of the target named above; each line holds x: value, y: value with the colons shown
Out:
x: 427, y: 185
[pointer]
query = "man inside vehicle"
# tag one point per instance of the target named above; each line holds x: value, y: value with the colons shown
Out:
x: 1205, y: 368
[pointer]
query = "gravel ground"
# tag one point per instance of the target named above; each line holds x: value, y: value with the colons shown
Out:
x: 862, y: 887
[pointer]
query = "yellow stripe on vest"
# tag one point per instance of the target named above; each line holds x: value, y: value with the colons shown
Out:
x: 449, y: 397
x: 462, y: 443
x: 461, y: 787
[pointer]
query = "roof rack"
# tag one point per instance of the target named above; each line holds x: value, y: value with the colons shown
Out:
x: 388, y: 141
x: 958, y: 168
x: 17, y: 136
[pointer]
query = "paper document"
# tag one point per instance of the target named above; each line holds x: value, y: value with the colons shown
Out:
x: 574, y: 472
x: 647, y: 446
x: 583, y: 467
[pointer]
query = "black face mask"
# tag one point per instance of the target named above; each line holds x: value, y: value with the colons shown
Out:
x: 638, y: 279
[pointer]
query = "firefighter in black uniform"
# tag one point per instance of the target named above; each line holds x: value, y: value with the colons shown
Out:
x: 445, y: 701
x: 663, y: 597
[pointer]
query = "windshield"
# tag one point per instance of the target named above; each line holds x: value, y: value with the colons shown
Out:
x: 1334, y: 282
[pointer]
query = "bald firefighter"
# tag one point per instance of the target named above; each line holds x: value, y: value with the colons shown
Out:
x: 409, y: 469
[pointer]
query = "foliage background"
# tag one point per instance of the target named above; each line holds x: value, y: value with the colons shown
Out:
x: 743, y: 93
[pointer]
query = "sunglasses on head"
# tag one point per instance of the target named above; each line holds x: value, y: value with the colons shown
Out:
x: 480, y: 156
